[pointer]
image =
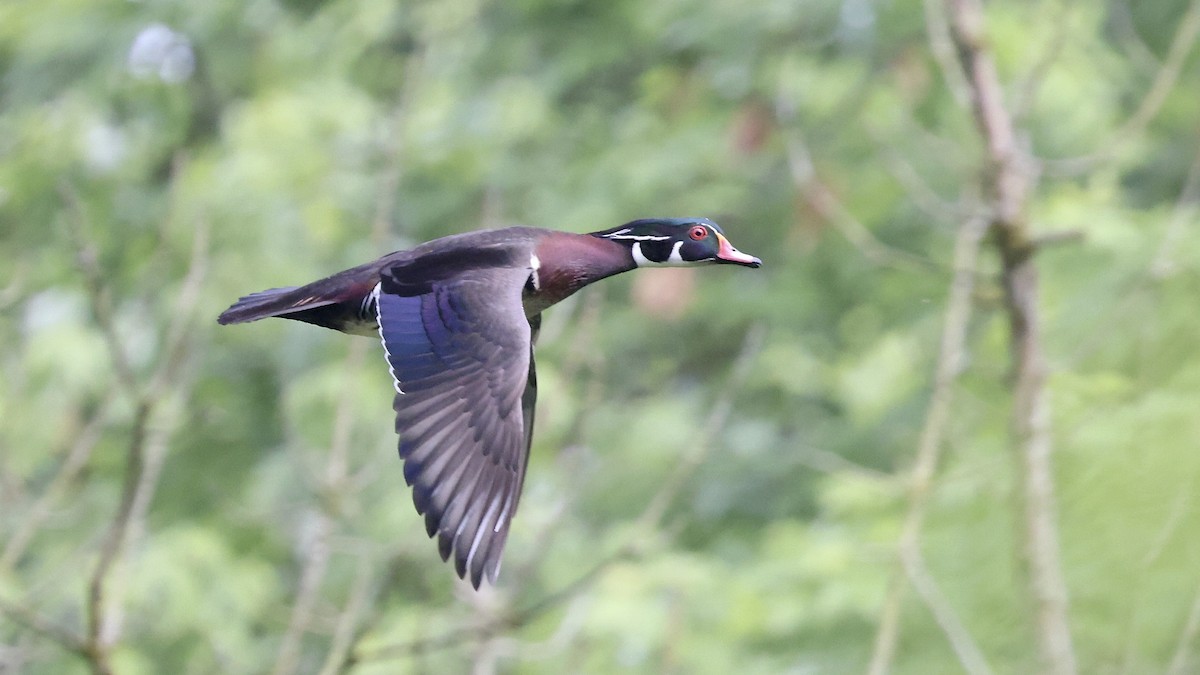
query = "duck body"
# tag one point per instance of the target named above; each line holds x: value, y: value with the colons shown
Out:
x: 458, y: 317
x: 345, y: 302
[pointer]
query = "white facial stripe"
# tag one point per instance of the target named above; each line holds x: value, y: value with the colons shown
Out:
x: 636, y: 237
x: 673, y: 260
x: 387, y: 354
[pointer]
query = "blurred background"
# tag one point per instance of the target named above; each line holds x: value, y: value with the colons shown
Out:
x: 950, y: 426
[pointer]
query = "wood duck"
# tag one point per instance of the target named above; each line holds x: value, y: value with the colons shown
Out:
x: 458, y: 317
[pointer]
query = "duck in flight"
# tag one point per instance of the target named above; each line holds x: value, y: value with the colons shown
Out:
x: 458, y: 317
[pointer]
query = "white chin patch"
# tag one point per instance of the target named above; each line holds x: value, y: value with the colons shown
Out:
x: 673, y: 260
x: 534, y: 265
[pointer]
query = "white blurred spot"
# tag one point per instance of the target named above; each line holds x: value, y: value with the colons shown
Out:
x: 104, y: 146
x: 857, y: 15
x: 160, y: 51
x: 50, y: 309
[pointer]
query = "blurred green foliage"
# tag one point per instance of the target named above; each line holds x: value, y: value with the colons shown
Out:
x: 159, y: 159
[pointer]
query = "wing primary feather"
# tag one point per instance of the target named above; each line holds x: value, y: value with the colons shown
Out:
x: 477, y: 558
x: 460, y: 355
x: 472, y: 523
x: 457, y: 507
x: 424, y: 475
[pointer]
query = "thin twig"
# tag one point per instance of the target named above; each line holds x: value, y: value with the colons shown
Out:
x: 331, y: 484
x: 343, y: 634
x: 1181, y: 215
x: 970, y: 657
x: 372, y: 606
x: 1027, y: 90
x: 831, y: 209
x: 922, y: 195
x: 177, y: 339
x: 572, y: 622
x: 1164, y: 82
x: 942, y: 47
x: 30, y: 619
x: 315, y: 564
x: 99, y: 294
x: 14, y: 289
x: 81, y: 447
x: 825, y: 461
x: 929, y: 447
x: 1183, y: 647
x: 702, y: 446
x: 1125, y: 32
x: 98, y: 641
x: 154, y: 458
x: 1166, y: 532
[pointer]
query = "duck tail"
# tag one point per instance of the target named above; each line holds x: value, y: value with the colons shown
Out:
x: 263, y: 304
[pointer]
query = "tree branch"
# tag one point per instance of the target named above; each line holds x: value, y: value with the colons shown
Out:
x: 98, y: 638
x: 942, y: 47
x: 1007, y: 183
x: 140, y: 475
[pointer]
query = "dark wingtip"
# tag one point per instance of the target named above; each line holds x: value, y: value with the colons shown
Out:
x: 460, y: 562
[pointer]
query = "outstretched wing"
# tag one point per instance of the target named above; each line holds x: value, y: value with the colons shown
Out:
x: 461, y: 355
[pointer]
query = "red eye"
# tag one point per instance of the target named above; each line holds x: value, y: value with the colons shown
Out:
x: 698, y: 232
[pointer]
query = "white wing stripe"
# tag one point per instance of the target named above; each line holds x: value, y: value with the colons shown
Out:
x: 387, y: 354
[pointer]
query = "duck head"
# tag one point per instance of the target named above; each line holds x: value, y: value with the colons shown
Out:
x: 677, y: 242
